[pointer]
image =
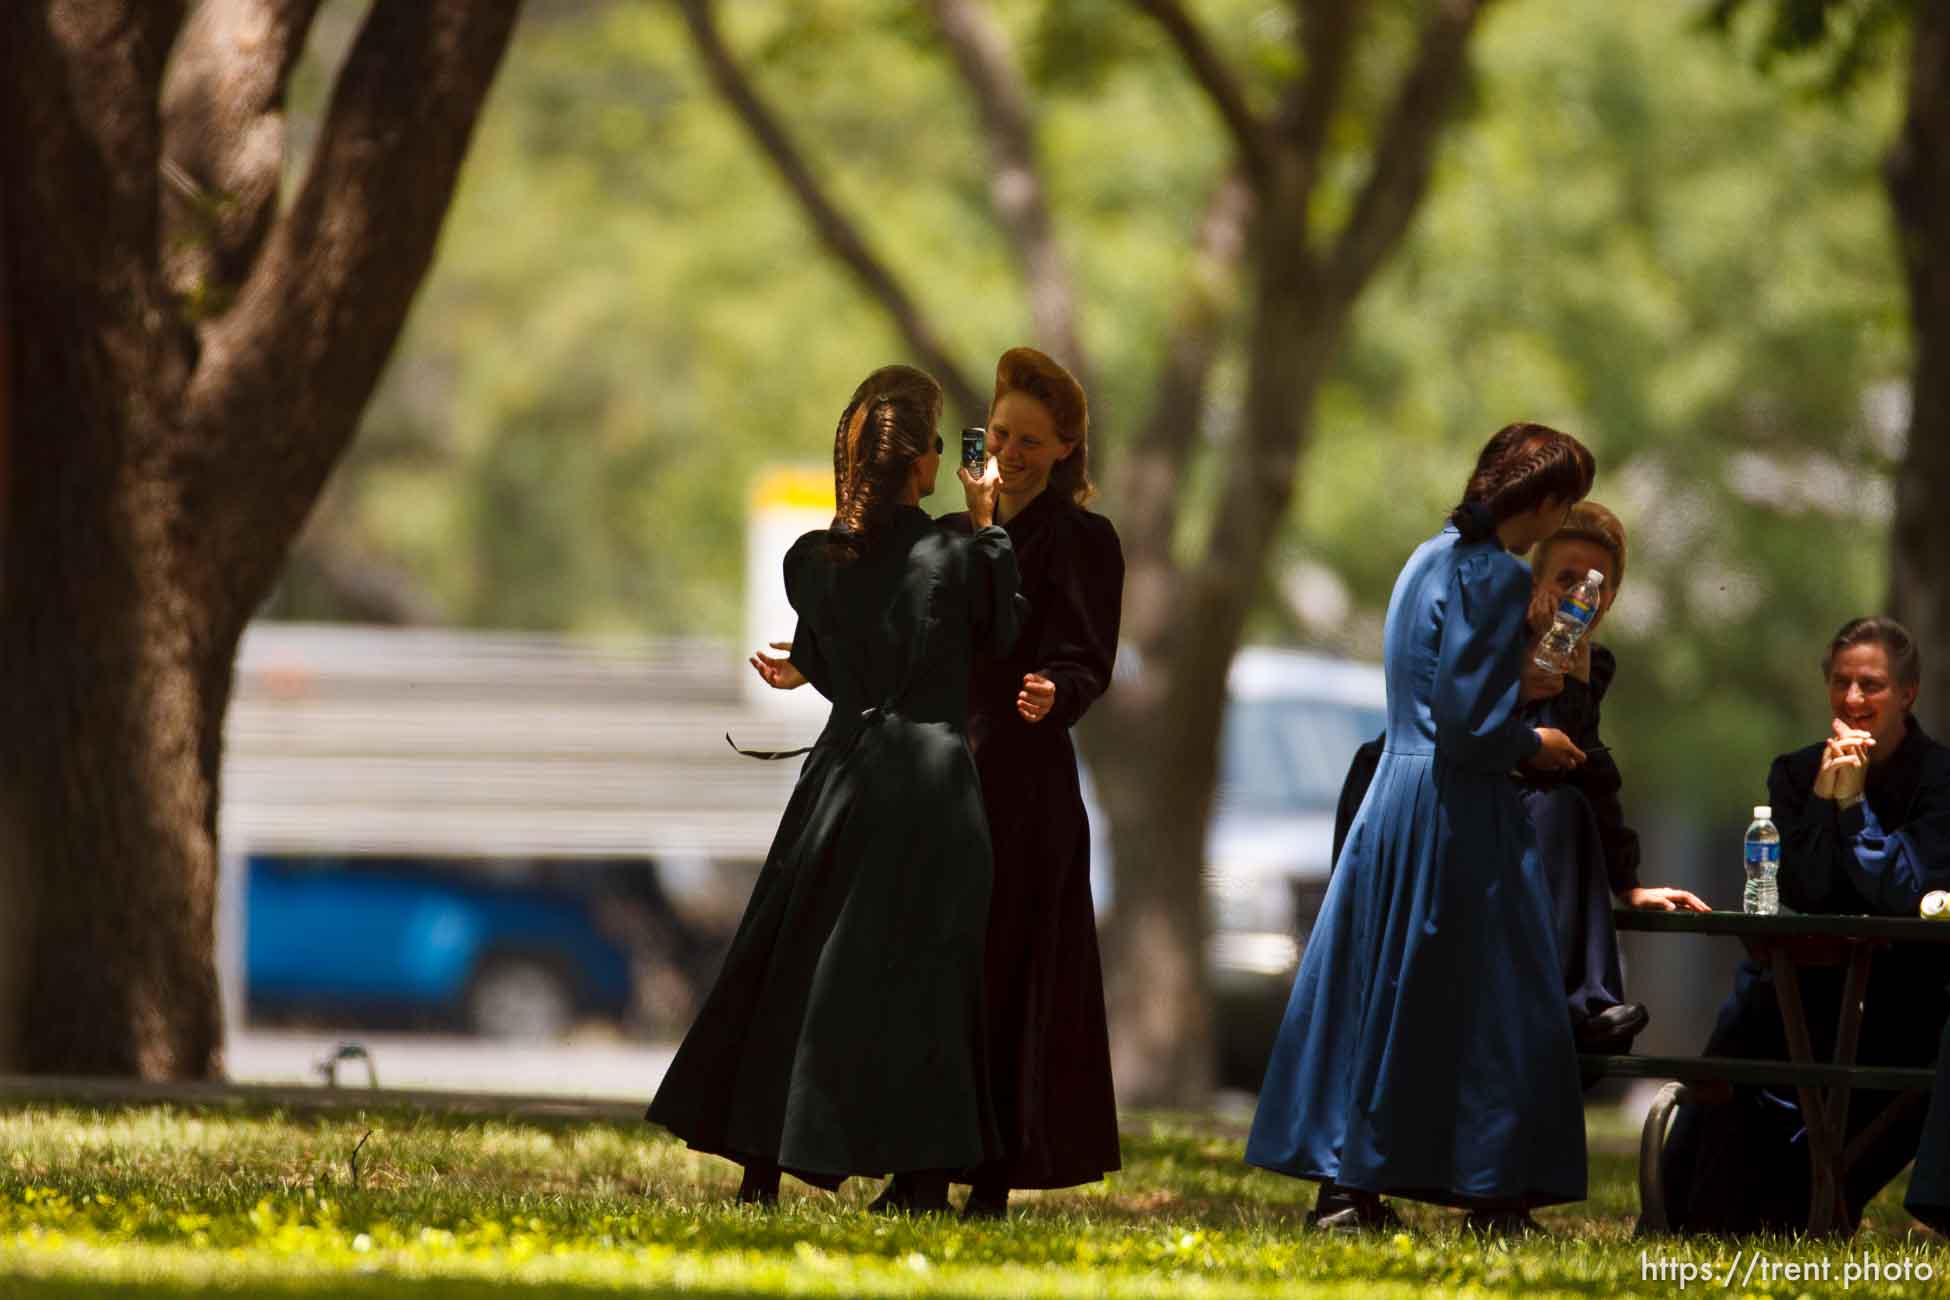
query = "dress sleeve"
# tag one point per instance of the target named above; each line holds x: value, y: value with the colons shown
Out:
x: 996, y: 607
x: 1480, y: 656
x: 1079, y: 634
x: 1893, y: 869
x: 806, y: 653
x: 1600, y: 779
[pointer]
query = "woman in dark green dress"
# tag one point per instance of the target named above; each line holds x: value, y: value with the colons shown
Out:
x: 844, y: 1035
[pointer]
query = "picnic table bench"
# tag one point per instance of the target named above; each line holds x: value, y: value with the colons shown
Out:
x: 1786, y: 944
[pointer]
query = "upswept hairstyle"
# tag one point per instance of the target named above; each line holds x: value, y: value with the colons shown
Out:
x: 1520, y: 467
x: 1905, y: 659
x: 1591, y: 522
x: 1035, y: 374
x: 887, y: 426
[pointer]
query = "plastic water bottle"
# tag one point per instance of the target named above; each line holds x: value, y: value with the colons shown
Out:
x: 1762, y: 896
x: 1572, y: 621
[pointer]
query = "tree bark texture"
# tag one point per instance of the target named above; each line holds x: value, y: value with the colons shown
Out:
x: 1919, y: 189
x: 166, y: 447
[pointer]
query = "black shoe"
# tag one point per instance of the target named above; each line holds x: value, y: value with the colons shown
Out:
x: 760, y: 1185
x: 1502, y: 1223
x: 1344, y: 1209
x: 978, y: 1206
x: 1612, y: 1030
x: 913, y: 1193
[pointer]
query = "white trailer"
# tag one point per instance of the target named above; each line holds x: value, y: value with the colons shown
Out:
x: 347, y: 741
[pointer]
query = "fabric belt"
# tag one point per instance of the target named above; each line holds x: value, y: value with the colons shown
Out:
x: 868, y: 719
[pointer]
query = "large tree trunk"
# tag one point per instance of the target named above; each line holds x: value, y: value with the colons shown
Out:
x: 1919, y: 189
x: 1152, y: 749
x: 1155, y: 747
x: 170, y: 428
x: 113, y: 680
x: 106, y: 789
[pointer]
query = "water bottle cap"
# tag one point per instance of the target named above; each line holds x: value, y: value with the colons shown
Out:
x: 1763, y: 812
x: 1596, y: 575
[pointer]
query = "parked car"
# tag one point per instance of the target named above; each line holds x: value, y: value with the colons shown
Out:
x: 505, y: 950
x: 1293, y: 721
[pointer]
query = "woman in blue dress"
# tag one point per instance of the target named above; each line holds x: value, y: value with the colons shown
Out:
x: 1424, y: 1052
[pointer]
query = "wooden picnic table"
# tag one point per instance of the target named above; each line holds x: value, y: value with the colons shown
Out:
x: 1786, y: 944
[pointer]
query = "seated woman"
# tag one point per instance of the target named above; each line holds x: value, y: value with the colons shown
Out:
x: 1590, y: 856
x: 1865, y: 829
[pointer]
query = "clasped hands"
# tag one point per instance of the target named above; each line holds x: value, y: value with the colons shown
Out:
x: 1033, y: 702
x: 1844, y: 764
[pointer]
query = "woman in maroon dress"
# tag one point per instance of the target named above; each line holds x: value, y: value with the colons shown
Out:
x: 1049, y: 1052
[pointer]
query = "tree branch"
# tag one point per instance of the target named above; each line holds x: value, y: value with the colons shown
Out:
x: 1407, y: 143
x: 78, y: 157
x: 840, y: 235
x: 286, y: 373
x: 1149, y: 477
x: 981, y: 53
x: 223, y: 141
x: 1325, y: 36
x: 1210, y: 71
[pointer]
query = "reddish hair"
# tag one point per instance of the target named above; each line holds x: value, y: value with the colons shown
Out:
x: 1036, y: 374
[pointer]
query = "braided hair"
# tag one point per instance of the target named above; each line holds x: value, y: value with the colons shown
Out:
x: 1519, y: 468
x: 887, y: 426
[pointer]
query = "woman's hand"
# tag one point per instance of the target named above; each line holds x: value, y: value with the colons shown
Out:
x: 1037, y: 697
x: 981, y: 493
x: 1581, y: 657
x: 779, y: 674
x: 1844, y: 763
x: 1557, y: 753
x: 1543, y: 608
x: 1663, y: 899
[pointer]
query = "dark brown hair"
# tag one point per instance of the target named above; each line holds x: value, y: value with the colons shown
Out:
x: 1591, y: 522
x: 887, y: 426
x: 1519, y: 468
x: 1905, y: 660
x: 1035, y: 374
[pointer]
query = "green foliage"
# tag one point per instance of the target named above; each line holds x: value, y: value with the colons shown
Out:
x: 168, y: 1202
x: 1830, y: 44
x: 1630, y: 234
x: 1646, y: 243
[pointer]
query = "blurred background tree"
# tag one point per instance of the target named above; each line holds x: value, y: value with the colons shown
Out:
x: 1627, y: 234
x: 1833, y: 48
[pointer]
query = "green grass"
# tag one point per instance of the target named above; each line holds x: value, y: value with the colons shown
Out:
x: 172, y: 1202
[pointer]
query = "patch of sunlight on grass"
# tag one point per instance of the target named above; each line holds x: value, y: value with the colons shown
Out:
x: 160, y: 1202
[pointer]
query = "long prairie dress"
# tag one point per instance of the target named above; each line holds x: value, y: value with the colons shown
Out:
x: 1425, y: 1050
x: 845, y: 1034
x: 1049, y: 1048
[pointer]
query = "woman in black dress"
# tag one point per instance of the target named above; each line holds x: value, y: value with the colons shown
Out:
x: 1049, y: 1053
x: 845, y: 1033
x: 1048, y: 1049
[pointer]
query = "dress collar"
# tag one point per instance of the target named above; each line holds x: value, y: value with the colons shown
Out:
x: 1039, y: 509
